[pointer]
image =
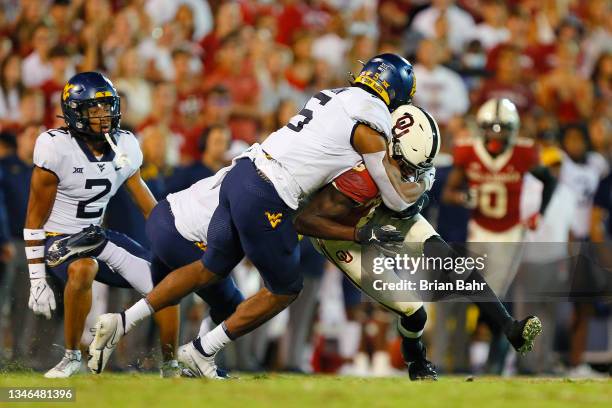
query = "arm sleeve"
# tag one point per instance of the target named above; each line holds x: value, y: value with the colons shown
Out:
x: 550, y: 183
x: 391, y: 198
x: 602, y: 196
x: 45, y: 153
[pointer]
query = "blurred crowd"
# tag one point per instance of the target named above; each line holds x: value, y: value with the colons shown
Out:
x: 200, y: 80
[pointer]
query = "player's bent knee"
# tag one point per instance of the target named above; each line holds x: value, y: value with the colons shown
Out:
x: 81, y: 273
x: 415, y: 323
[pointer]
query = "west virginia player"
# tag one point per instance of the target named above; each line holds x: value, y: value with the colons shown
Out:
x: 261, y: 191
x: 77, y: 170
x: 342, y: 205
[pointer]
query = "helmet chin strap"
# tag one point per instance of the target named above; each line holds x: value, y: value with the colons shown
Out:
x: 121, y: 158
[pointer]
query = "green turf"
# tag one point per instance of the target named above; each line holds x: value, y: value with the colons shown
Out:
x: 319, y: 391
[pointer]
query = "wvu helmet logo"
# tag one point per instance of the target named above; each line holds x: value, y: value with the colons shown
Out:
x: 274, y: 219
x: 66, y: 92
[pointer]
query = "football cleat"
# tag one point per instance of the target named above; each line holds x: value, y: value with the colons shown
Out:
x: 198, y: 364
x: 69, y: 366
x: 522, y: 334
x: 170, y: 369
x: 76, y: 245
x: 109, y: 330
x: 422, y: 370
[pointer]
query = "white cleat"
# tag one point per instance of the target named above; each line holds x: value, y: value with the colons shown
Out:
x: 68, y: 367
x: 109, y: 330
x: 198, y: 364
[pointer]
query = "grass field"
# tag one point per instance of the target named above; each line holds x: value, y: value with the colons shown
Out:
x: 320, y: 391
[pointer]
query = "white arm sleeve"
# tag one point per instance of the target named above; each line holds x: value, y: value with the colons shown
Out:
x: 391, y: 198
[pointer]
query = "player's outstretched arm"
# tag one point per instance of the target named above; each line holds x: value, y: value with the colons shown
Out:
x: 396, y: 194
x: 141, y: 194
x: 43, y: 188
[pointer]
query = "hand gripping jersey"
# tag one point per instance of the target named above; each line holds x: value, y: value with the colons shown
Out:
x: 85, y: 183
x: 315, y: 146
x: 496, y: 183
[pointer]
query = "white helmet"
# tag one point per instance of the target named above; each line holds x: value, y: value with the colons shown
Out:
x: 500, y: 122
x: 416, y: 137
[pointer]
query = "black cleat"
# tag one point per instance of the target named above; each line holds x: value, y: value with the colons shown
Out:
x: 422, y: 370
x: 522, y: 334
x: 76, y: 245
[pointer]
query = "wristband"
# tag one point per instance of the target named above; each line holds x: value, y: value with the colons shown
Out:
x: 37, y: 270
x: 33, y: 234
x: 35, y: 252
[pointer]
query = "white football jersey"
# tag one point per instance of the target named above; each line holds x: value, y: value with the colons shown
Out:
x: 86, y: 183
x: 193, y: 208
x: 316, y: 145
x: 583, y: 179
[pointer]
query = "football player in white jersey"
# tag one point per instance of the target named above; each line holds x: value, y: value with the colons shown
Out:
x: 77, y: 170
x: 262, y: 189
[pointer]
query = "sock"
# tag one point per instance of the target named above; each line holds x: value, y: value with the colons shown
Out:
x: 73, y: 355
x: 205, y: 327
x: 485, y: 299
x: 411, y: 329
x: 491, y: 305
x: 135, y: 270
x: 213, y: 341
x: 139, y: 311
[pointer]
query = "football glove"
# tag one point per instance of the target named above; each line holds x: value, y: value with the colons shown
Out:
x: 378, y: 234
x: 428, y: 177
x: 42, y: 299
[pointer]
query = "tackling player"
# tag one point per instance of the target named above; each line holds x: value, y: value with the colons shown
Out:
x: 77, y: 170
x: 261, y: 191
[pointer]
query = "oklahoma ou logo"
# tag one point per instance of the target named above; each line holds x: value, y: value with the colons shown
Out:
x: 344, y: 256
x: 402, y: 125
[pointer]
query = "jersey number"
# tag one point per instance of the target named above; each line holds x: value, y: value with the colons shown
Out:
x: 307, y: 113
x: 493, y: 200
x: 89, y: 184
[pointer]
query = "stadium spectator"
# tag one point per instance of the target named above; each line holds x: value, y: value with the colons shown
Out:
x: 436, y: 82
x: 508, y: 82
x: 213, y: 144
x: 563, y: 92
x: 460, y: 23
x: 492, y: 30
x: 130, y: 82
x: 36, y: 67
x: 11, y: 89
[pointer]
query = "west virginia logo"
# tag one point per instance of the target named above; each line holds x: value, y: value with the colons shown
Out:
x: 274, y: 219
x: 66, y: 92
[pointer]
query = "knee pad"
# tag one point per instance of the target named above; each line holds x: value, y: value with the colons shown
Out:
x: 412, y: 326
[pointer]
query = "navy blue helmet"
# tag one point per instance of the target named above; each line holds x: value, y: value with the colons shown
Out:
x: 86, y: 90
x: 390, y: 77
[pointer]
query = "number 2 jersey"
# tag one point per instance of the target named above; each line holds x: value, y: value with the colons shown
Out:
x: 496, y: 183
x: 85, y: 183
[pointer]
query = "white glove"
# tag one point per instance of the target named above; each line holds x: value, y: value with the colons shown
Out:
x: 42, y: 299
x: 428, y: 177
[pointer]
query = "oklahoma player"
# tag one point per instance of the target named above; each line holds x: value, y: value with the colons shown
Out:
x: 493, y: 166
